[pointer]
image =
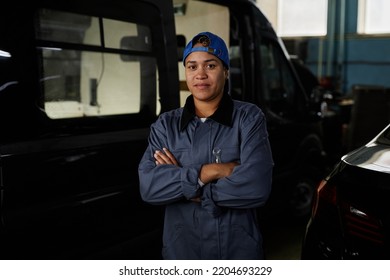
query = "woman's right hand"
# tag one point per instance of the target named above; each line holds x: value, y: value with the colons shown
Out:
x: 165, y: 157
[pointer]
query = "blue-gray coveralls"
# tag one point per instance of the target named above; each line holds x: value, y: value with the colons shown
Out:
x: 223, y: 225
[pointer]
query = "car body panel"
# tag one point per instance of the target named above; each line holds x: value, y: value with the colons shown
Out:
x: 351, y: 213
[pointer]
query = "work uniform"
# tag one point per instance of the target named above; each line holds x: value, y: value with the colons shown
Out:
x: 223, y: 225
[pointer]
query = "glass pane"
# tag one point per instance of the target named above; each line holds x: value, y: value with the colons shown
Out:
x: 126, y: 35
x: 80, y: 84
x: 279, y: 85
x: 302, y: 17
x: 373, y: 16
x: 235, y: 71
x: 67, y: 27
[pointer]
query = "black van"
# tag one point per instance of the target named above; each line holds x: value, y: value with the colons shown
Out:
x: 81, y: 82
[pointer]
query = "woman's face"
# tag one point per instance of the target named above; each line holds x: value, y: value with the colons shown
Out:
x: 205, y: 75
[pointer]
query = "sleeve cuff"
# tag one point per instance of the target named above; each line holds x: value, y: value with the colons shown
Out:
x: 200, y: 183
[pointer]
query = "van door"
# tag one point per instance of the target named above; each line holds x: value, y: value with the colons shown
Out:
x: 82, y: 83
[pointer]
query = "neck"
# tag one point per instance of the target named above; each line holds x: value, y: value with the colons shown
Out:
x: 204, y: 109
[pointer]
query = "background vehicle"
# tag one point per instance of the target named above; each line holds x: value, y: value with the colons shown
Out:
x: 350, y: 218
x: 81, y: 82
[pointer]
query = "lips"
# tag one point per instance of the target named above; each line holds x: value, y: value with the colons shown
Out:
x: 202, y: 86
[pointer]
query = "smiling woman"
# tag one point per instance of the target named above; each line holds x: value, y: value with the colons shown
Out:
x: 211, y: 201
x: 206, y: 61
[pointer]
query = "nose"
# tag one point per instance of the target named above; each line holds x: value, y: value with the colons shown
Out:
x: 201, y: 73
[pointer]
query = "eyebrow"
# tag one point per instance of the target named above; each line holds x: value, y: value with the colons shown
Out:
x: 205, y: 61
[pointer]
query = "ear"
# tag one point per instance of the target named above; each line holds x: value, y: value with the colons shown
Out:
x: 226, y: 74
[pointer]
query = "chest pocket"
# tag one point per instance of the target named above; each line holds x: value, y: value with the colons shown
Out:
x: 228, y: 144
x: 226, y: 153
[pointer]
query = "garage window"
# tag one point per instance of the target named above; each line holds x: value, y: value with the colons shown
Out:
x: 297, y: 18
x: 373, y: 17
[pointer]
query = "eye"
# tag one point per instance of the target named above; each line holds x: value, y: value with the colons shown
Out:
x: 191, y: 67
x: 211, y: 66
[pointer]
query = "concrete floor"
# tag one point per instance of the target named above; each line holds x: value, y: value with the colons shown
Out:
x: 283, y: 239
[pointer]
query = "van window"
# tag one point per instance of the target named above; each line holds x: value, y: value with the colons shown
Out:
x: 93, y: 66
x: 279, y: 85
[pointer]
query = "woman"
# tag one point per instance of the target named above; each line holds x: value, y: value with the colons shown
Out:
x: 209, y: 163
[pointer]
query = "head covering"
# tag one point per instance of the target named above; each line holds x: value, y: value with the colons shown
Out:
x: 211, y: 43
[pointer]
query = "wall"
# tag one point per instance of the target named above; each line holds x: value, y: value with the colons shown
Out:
x: 347, y: 57
x: 343, y: 56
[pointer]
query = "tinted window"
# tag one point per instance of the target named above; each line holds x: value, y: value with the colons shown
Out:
x: 279, y: 85
x: 93, y: 66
